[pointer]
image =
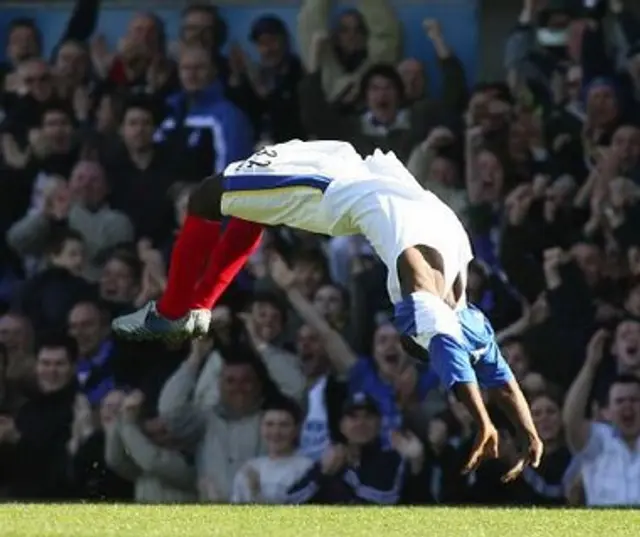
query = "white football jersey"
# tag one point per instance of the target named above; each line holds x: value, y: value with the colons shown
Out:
x: 326, y: 187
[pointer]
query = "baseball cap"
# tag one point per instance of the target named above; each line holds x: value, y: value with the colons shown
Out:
x: 360, y: 401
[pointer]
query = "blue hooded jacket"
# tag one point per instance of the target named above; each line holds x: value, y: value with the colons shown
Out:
x: 231, y: 130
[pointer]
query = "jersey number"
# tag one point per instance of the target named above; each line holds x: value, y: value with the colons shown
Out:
x: 262, y: 159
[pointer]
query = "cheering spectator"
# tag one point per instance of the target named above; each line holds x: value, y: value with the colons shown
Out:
x: 362, y: 38
x: 144, y: 452
x: 47, y: 298
x: 202, y: 122
x: 361, y: 471
x: 267, y: 479
x: 35, y: 442
x: 610, y: 478
x: 269, y: 92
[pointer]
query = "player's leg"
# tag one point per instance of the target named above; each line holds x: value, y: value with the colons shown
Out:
x: 173, y: 316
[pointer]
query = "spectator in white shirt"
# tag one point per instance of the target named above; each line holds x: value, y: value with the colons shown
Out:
x: 609, y: 452
x: 266, y: 479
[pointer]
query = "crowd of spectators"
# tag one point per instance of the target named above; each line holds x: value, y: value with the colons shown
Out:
x: 303, y: 393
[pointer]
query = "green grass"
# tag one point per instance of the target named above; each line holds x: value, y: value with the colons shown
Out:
x: 222, y: 521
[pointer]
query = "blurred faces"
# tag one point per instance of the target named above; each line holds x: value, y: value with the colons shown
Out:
x: 589, y: 260
x: 382, y: 99
x: 22, y: 44
x: 547, y: 419
x: 143, y: 30
x: 279, y: 432
x: 558, y: 195
x: 351, y: 37
x: 117, y: 282
x: 36, y: 79
x: 443, y: 171
x: 329, y: 302
x: 15, y: 333
x: 272, y: 49
x: 71, y: 257
x: 57, y: 131
x: 414, y: 79
x: 88, y: 327
x: 490, y: 175
x: 54, y: 369
x: 623, y: 409
x: 308, y: 277
x: 267, y: 320
x: 311, y: 351
x: 632, y: 302
x: 239, y: 388
x: 602, y: 106
x: 195, y: 69
x: 72, y: 61
x: 626, y: 144
x: 626, y: 345
x: 88, y: 184
x: 198, y: 27
x: 388, y: 352
x: 137, y: 129
x: 360, y: 427
x: 516, y: 356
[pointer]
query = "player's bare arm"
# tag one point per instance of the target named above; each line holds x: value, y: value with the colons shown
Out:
x: 421, y: 269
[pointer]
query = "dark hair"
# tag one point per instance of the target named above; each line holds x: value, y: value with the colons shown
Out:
x: 58, y: 341
x: 220, y: 28
x: 311, y: 255
x: 344, y: 293
x: 56, y: 243
x: 145, y: 103
x: 285, y: 404
x: 272, y: 298
x: 625, y: 379
x: 382, y: 70
x: 268, y: 24
x: 99, y: 305
x: 25, y: 22
x: 57, y: 108
x: 127, y: 258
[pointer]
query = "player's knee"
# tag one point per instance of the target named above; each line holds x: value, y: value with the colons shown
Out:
x: 204, y: 200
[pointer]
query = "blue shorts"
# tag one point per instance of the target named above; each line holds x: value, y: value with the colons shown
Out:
x: 472, y: 358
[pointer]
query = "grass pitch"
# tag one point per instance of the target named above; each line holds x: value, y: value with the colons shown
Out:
x: 224, y: 521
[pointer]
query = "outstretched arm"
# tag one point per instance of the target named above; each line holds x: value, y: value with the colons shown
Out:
x: 432, y: 323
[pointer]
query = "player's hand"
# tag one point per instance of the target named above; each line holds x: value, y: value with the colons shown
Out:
x: 485, y: 447
x: 532, y: 457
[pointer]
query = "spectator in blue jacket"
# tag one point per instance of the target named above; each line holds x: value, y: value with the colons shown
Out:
x: 203, y: 125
